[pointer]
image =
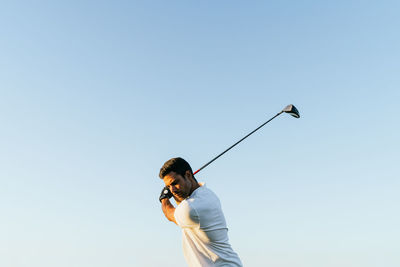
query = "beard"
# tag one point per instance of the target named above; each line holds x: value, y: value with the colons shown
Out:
x: 180, y: 195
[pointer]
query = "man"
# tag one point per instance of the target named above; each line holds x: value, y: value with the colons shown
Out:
x: 198, y: 214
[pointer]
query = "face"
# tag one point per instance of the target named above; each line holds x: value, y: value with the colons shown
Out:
x: 178, y: 185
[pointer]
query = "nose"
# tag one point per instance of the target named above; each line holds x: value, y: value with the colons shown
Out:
x: 173, y: 188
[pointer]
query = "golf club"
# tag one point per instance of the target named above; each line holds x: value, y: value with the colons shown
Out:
x: 290, y: 109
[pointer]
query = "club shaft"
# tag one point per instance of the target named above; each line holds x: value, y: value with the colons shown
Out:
x: 208, y: 163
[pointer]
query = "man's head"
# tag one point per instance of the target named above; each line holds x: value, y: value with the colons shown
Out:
x: 178, y: 177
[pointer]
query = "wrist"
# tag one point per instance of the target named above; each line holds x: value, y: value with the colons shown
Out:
x: 165, y: 201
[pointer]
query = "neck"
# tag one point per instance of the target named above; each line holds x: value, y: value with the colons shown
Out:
x: 195, y: 185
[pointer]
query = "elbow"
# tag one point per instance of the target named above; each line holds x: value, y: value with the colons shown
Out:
x: 171, y: 219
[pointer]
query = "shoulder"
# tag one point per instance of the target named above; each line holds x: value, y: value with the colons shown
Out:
x: 208, y: 208
x: 203, y: 196
x: 202, y: 191
x: 203, y: 200
x: 186, y: 215
x: 184, y: 207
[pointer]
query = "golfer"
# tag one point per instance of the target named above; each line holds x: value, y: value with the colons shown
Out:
x: 198, y: 214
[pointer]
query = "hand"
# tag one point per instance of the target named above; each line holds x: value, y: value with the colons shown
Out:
x: 165, y: 193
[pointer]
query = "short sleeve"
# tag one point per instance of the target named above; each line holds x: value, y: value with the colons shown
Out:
x: 186, y: 216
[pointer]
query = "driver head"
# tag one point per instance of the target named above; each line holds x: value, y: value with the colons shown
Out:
x: 292, y: 110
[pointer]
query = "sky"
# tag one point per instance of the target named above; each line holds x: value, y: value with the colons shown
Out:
x: 96, y: 95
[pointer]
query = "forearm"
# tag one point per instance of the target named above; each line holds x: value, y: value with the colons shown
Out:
x: 168, y: 209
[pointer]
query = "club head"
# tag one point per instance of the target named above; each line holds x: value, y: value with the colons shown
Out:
x: 292, y: 110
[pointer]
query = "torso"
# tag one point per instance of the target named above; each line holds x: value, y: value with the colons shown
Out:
x: 205, y: 234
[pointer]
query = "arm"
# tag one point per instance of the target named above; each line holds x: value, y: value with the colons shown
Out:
x: 168, y: 210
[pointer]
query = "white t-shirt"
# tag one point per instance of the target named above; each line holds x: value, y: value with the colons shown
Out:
x: 204, y: 230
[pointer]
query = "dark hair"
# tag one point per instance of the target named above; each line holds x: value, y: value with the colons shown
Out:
x: 178, y: 165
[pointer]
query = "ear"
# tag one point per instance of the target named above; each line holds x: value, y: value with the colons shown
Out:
x: 188, y: 175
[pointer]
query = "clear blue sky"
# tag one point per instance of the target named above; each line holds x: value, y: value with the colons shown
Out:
x: 96, y: 95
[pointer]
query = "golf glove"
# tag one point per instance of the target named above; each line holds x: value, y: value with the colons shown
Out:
x: 165, y: 193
